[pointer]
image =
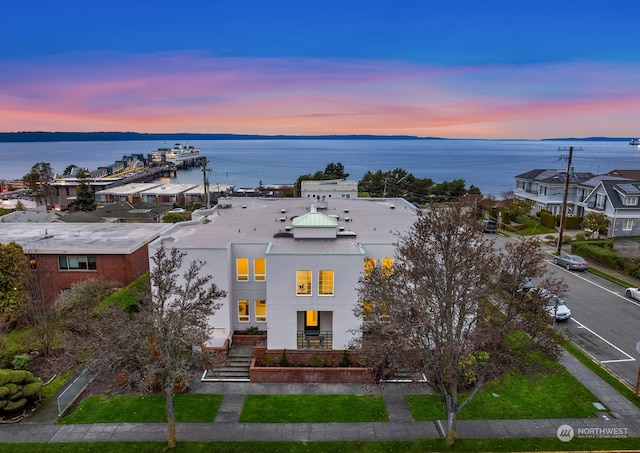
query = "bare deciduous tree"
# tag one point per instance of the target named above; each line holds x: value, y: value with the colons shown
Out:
x: 449, y: 314
x: 175, y: 321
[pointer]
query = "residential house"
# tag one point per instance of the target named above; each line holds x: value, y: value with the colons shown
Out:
x: 545, y: 189
x: 291, y: 266
x: 67, y: 253
x: 329, y: 189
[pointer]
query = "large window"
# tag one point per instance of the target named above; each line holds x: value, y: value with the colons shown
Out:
x: 600, y: 200
x: 243, y: 310
x: 77, y: 263
x: 242, y: 269
x: 325, y: 283
x: 627, y: 224
x: 261, y: 310
x: 369, y: 265
x: 259, y: 269
x: 387, y: 266
x: 303, y: 283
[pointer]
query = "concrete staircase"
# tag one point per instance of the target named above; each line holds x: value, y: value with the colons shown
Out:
x: 234, y: 369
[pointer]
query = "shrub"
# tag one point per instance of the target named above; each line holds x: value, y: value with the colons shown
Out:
x: 581, y: 237
x: 21, y: 362
x: 315, y: 361
x: 17, y: 387
x: 283, y: 358
x: 345, y: 359
x: 269, y: 360
x: 547, y: 219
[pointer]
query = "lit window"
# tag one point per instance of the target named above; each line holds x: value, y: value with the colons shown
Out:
x: 77, y: 263
x: 367, y: 310
x: 303, y: 283
x: 387, y: 266
x: 627, y: 224
x: 261, y: 310
x: 243, y: 310
x: 242, y: 269
x: 325, y: 283
x: 259, y: 269
x: 312, y: 319
x: 369, y: 266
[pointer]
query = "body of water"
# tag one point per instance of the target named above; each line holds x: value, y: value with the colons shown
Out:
x: 489, y: 165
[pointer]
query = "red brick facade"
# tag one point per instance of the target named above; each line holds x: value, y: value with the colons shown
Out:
x: 121, y: 269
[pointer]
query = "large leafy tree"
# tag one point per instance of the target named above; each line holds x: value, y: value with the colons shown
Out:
x: 596, y: 222
x: 39, y: 181
x: 446, y: 312
x: 14, y: 281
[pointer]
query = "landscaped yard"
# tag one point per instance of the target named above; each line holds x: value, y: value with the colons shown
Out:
x: 556, y: 396
x: 144, y: 409
x: 313, y: 408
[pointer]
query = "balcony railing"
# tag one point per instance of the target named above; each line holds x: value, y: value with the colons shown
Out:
x: 315, y: 339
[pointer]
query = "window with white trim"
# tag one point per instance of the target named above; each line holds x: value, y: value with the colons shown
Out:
x: 325, y: 283
x: 242, y: 269
x: 630, y: 201
x: 627, y: 224
x: 259, y: 269
x: 261, y: 310
x: 303, y: 283
x: 243, y: 310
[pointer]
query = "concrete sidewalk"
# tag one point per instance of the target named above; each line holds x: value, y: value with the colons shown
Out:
x: 226, y: 426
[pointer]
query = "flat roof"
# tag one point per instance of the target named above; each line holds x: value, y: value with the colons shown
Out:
x: 129, y: 188
x: 81, y: 238
x: 257, y: 220
x: 164, y: 189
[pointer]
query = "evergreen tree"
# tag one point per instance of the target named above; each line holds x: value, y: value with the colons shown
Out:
x: 85, y: 198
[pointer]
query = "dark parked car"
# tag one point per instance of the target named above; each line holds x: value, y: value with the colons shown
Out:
x: 571, y: 262
x: 489, y: 226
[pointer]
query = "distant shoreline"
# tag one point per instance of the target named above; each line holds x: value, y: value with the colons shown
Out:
x: 37, y: 136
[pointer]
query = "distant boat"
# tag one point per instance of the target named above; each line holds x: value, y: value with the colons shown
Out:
x: 635, y: 142
x: 180, y: 156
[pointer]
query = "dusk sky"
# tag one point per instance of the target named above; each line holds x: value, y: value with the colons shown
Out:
x: 459, y: 69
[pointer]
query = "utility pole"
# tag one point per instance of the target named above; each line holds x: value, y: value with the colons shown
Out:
x: 564, y: 200
x: 206, y: 183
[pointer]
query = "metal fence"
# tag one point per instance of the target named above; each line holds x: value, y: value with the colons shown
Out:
x: 73, y: 391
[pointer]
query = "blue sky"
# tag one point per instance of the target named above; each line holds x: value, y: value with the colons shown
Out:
x: 465, y: 69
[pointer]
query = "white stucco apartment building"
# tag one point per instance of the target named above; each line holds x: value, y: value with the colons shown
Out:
x: 291, y: 267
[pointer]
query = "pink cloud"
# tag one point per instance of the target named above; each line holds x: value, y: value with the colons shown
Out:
x: 200, y: 93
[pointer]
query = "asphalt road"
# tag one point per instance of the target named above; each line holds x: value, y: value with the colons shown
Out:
x: 605, y: 324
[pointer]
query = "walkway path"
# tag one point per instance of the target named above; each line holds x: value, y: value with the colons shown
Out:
x: 226, y: 426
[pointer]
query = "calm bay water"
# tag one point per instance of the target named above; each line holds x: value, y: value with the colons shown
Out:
x: 488, y: 164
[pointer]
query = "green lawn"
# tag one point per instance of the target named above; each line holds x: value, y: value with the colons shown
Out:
x: 419, y: 446
x: 144, y: 409
x: 514, y: 397
x: 313, y: 408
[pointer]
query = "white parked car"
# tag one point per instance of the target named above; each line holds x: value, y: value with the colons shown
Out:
x: 633, y: 293
x: 556, y: 306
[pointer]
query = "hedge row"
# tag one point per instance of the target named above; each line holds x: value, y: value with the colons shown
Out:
x: 602, y: 252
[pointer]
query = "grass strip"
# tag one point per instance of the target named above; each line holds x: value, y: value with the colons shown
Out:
x: 144, y: 409
x: 313, y: 409
x: 418, y: 446
x: 515, y: 397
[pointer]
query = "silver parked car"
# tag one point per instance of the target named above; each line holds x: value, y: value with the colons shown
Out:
x: 571, y: 262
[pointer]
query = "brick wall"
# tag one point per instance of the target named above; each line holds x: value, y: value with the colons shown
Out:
x: 121, y: 269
